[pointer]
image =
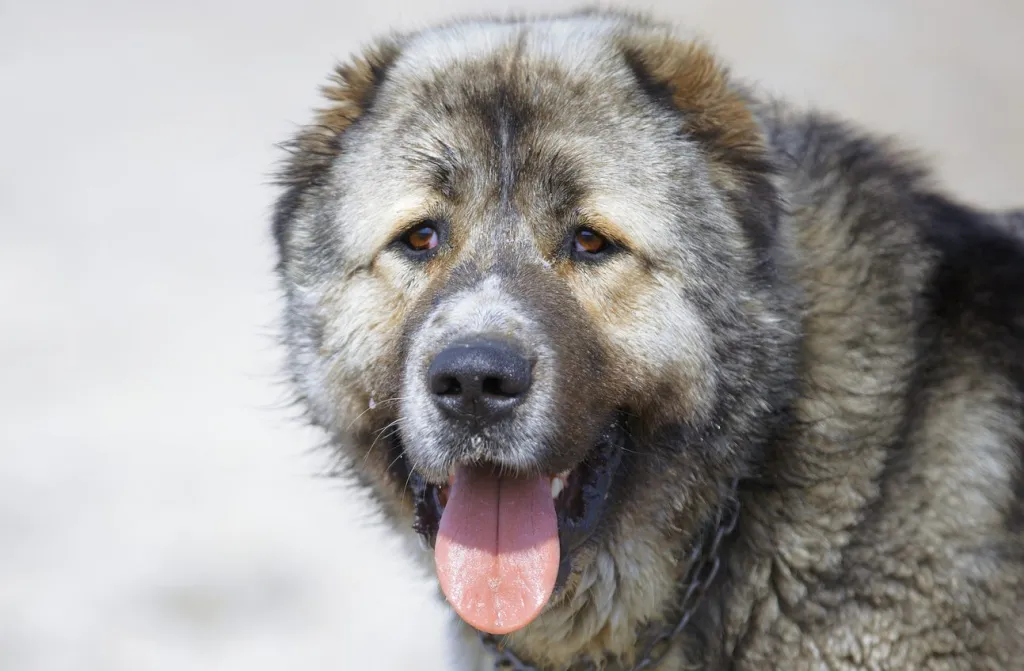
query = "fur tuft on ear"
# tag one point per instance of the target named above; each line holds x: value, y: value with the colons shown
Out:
x: 687, y: 76
x: 349, y: 93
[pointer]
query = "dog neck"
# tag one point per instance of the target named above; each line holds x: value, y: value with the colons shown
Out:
x: 655, y: 641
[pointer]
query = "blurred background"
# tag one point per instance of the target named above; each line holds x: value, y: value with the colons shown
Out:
x: 159, y: 509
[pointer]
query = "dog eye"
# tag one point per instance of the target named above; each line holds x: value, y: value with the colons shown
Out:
x: 586, y: 241
x: 422, y: 238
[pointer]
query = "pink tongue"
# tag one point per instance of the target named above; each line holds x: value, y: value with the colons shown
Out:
x: 497, y: 549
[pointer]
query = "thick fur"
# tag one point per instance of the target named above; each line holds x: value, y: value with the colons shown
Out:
x: 794, y: 303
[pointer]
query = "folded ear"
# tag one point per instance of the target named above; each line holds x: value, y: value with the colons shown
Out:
x: 687, y: 77
x: 349, y: 94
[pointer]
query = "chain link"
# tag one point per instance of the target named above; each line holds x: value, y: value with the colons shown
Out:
x: 704, y: 567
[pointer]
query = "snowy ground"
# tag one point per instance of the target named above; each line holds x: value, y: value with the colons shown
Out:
x: 157, y: 508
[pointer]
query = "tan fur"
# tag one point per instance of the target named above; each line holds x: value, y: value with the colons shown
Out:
x: 347, y: 92
x: 700, y: 87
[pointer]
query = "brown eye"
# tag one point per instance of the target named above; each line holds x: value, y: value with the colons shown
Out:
x: 422, y: 238
x: 587, y: 241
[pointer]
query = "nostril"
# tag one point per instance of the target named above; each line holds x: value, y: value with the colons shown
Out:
x: 445, y: 385
x: 507, y: 385
x: 495, y: 386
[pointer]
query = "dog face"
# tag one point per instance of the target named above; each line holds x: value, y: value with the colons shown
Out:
x: 521, y: 255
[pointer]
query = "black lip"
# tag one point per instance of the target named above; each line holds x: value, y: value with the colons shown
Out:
x: 596, y: 475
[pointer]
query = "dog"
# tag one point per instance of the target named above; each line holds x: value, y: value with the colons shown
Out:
x: 661, y: 372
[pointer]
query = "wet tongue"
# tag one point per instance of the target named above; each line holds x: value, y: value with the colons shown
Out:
x: 497, y: 549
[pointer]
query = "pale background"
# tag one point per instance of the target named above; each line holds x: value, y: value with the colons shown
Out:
x: 158, y: 508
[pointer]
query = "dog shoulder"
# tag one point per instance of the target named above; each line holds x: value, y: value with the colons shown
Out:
x: 913, y: 400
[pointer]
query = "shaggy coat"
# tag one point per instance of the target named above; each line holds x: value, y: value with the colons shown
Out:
x: 784, y: 300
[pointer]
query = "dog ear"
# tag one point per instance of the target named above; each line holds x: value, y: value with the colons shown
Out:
x: 349, y: 94
x: 687, y: 77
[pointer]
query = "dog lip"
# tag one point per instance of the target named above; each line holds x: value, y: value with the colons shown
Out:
x: 595, y: 476
x: 588, y: 483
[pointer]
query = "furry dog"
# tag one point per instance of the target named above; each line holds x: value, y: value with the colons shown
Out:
x: 663, y: 373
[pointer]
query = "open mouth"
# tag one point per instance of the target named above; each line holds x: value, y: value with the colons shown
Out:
x: 504, y: 545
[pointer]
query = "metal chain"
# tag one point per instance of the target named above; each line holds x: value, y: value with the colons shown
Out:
x: 704, y: 567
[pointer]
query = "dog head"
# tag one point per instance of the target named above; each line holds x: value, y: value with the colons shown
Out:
x: 522, y: 255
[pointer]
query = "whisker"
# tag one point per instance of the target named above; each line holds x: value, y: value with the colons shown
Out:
x: 378, y: 437
x: 405, y: 486
x: 376, y: 403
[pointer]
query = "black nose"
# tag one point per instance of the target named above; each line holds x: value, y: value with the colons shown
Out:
x: 480, y: 380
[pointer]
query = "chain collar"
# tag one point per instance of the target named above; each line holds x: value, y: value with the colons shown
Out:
x: 704, y: 563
